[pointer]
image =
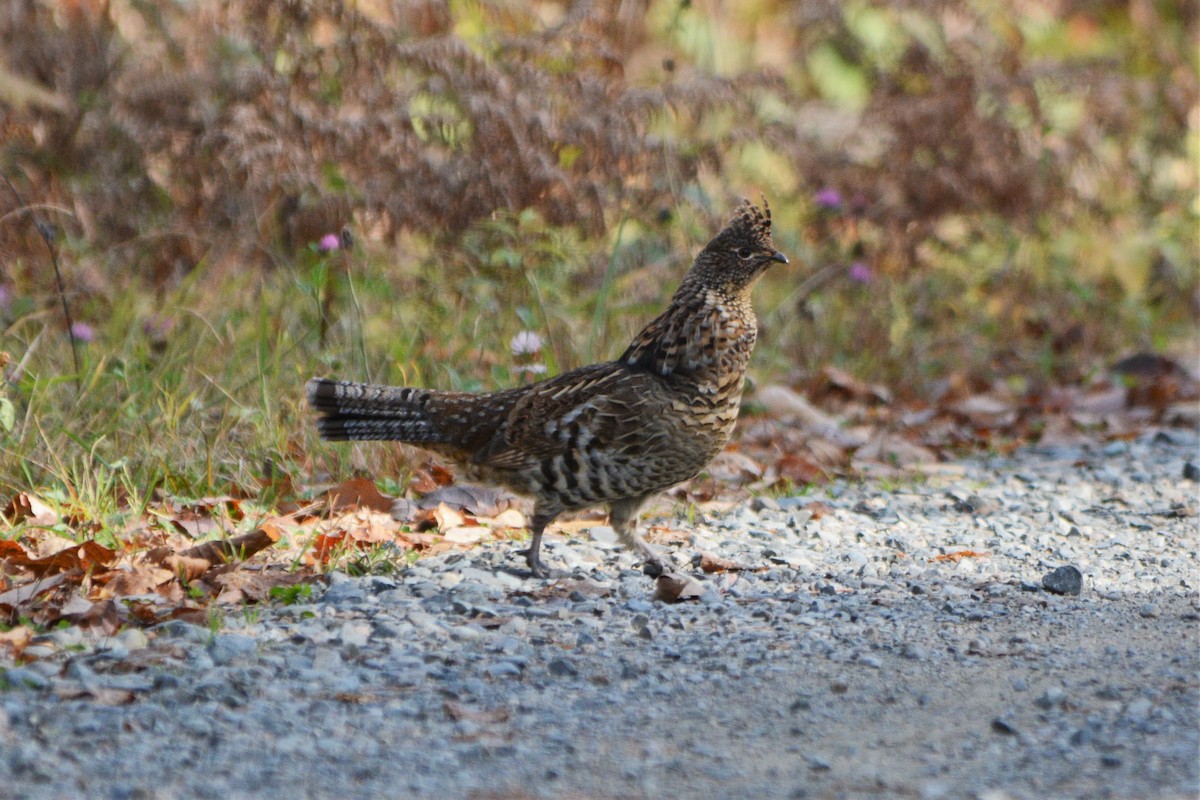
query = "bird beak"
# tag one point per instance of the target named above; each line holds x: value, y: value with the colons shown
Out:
x: 780, y: 257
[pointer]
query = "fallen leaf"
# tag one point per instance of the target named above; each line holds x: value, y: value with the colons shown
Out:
x: 709, y: 563
x: 102, y: 696
x: 860, y: 390
x: 800, y: 471
x: 818, y: 509
x: 357, y: 493
x: 959, y: 555
x: 81, y: 557
x: 674, y: 587
x: 16, y: 640
x: 447, y: 517
x: 896, y: 451
x: 20, y: 595
x: 734, y: 467
x: 239, y: 548
x: 508, y: 518
x: 465, y: 534
x: 460, y: 712
x: 25, y: 507
x: 985, y: 410
x: 324, y: 546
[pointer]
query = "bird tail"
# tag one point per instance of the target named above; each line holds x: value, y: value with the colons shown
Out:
x: 360, y: 411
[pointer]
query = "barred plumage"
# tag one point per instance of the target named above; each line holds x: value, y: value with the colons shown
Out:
x: 614, y: 433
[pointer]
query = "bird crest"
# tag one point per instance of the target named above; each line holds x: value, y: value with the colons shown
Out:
x: 752, y: 223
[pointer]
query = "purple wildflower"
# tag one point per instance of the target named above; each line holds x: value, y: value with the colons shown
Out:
x: 83, y: 332
x: 328, y: 242
x: 5, y: 298
x: 860, y: 272
x: 157, y: 327
x: 829, y: 199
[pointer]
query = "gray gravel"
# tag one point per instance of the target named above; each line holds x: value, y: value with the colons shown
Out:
x: 854, y: 664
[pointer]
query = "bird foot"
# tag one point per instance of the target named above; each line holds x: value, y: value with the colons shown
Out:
x: 653, y: 567
x: 538, y: 568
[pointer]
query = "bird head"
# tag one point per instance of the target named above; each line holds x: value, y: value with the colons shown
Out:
x: 740, y: 253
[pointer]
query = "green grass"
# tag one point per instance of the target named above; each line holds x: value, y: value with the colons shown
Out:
x: 215, y: 405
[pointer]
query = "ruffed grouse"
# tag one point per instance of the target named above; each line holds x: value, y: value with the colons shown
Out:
x: 613, y: 433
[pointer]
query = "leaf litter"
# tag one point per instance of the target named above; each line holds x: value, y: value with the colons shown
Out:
x: 183, y: 555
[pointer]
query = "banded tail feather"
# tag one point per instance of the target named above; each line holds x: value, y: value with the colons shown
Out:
x: 364, y: 411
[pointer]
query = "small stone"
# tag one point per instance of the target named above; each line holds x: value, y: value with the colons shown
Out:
x: 225, y: 647
x: 1051, y: 698
x: 1064, y: 580
x: 764, y: 503
x: 914, y: 652
x: 133, y: 639
x: 1149, y: 610
x: 1109, y: 760
x: 1004, y: 726
x: 562, y: 668
x: 503, y: 669
x: 23, y: 678
x: 1191, y: 472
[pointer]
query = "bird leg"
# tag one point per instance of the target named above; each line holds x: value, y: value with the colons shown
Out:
x: 623, y: 518
x: 533, y: 555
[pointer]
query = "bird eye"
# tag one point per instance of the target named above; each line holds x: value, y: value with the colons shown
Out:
x: 745, y: 252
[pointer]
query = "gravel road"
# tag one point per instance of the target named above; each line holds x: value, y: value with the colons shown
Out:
x: 857, y: 663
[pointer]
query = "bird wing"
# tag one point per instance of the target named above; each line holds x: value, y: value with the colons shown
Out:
x: 600, y: 406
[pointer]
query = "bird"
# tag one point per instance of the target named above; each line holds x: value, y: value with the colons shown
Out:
x: 614, y: 433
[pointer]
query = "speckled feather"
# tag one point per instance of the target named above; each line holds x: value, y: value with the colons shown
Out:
x: 613, y: 433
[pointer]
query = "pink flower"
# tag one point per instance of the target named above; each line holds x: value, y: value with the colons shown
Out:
x: 829, y: 199
x: 328, y: 242
x: 860, y: 272
x: 83, y: 332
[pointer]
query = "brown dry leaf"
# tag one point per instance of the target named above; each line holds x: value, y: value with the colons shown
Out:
x: 82, y: 557
x: 324, y: 546
x: 239, y: 585
x: 208, y: 516
x: 447, y: 517
x: 508, y: 518
x: 986, y: 411
x: 846, y: 383
x: 239, y: 548
x: 710, y: 564
x: 895, y: 451
x: 799, y: 470
x: 959, y: 555
x: 25, y: 507
x: 16, y: 640
x: 734, y: 467
x: 357, y: 493
x: 1104, y: 400
x: 102, y: 616
x: 665, y: 534
x: 784, y: 402
x: 141, y: 579
x: 459, y: 712
x: 674, y: 587
x: 818, y: 509
x: 186, y: 568
x: 102, y: 696
x: 428, y: 477
x: 465, y: 534
x: 19, y: 595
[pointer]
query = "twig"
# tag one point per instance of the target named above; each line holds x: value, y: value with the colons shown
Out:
x: 45, y: 231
